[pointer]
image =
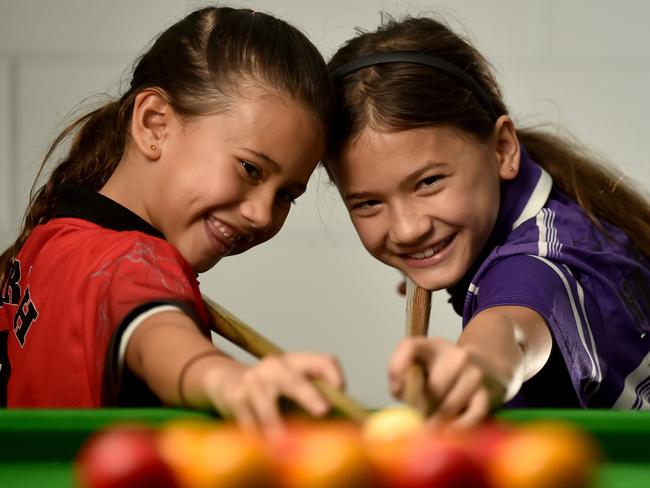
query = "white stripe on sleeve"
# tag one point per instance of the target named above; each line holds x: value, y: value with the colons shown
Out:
x: 582, y: 326
x: 130, y: 329
x: 635, y: 395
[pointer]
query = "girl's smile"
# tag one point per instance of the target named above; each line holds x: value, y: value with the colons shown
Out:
x: 224, y: 237
x: 432, y: 255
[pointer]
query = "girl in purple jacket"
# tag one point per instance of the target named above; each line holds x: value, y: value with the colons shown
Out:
x: 543, y: 250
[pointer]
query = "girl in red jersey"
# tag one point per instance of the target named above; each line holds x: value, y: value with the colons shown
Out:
x: 224, y: 122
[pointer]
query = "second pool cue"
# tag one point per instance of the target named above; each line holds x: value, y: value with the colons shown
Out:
x: 418, y: 307
x: 251, y: 341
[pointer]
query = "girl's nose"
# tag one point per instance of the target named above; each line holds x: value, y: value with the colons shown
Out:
x: 408, y: 225
x: 257, y: 210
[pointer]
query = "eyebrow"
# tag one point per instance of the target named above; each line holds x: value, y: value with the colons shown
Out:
x: 403, y: 182
x: 263, y: 156
x: 298, y: 187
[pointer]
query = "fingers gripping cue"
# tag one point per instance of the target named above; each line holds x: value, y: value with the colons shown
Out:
x: 418, y: 306
x: 233, y: 329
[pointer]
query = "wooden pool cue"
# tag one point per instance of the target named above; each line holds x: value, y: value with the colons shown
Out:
x: 251, y: 341
x: 418, y: 306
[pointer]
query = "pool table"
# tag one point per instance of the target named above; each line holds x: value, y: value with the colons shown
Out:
x: 37, y: 446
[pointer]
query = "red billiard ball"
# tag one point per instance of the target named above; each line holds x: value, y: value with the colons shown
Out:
x: 123, y: 457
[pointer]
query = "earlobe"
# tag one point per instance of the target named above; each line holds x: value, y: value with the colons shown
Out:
x: 506, y: 145
x: 149, y: 123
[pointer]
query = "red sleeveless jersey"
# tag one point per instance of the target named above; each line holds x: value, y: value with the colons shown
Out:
x: 75, y: 285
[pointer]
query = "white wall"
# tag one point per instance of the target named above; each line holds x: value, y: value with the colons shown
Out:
x: 582, y: 64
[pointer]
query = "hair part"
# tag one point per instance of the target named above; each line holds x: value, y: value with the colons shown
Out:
x: 197, y: 63
x: 403, y: 96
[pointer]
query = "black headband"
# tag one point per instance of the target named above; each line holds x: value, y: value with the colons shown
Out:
x: 419, y: 58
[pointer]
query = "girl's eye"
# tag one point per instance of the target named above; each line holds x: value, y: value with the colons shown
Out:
x: 429, y: 181
x: 287, y: 197
x: 365, y: 205
x: 251, y: 169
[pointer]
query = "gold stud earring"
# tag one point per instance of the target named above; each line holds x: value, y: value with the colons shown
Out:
x: 511, y: 168
x: 153, y: 147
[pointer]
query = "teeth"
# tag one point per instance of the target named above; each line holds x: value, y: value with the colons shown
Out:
x: 427, y: 253
x: 225, y: 231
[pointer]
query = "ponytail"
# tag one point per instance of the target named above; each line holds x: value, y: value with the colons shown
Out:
x: 95, y: 151
x: 603, y: 193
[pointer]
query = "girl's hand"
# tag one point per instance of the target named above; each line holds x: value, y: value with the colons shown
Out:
x: 183, y: 367
x: 499, y: 349
x: 461, y: 388
x: 250, y: 394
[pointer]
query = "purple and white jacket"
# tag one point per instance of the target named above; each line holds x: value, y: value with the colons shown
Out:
x: 592, y: 289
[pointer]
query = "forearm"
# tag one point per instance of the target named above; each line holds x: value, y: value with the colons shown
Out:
x: 178, y: 363
x: 512, y: 343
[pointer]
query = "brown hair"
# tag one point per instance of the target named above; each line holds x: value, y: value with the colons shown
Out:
x: 197, y: 62
x: 402, y: 96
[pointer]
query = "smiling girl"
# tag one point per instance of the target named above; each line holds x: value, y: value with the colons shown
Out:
x: 543, y: 250
x: 224, y: 122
